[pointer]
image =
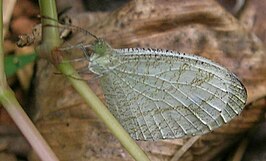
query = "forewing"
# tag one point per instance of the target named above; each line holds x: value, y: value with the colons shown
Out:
x: 157, y: 94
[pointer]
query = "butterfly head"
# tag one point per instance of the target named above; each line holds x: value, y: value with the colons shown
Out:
x: 101, y: 47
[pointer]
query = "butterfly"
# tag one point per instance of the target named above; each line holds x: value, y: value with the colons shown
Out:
x: 161, y: 94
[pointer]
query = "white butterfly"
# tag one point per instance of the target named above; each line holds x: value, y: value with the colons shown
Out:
x: 160, y: 94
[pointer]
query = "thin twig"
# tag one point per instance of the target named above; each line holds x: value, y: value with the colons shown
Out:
x: 184, y: 148
x: 12, y: 106
x: 240, y: 151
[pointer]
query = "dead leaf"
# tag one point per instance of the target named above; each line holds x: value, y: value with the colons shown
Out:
x: 200, y: 27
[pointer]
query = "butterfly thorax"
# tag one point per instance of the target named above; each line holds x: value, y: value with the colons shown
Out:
x: 101, y: 58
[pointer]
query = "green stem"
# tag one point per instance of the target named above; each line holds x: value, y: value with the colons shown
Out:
x: 50, y: 35
x: 82, y: 88
x: 3, y: 82
x: 12, y: 106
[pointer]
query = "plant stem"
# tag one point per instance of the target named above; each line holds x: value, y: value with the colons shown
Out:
x: 83, y: 89
x: 50, y: 35
x: 3, y: 82
x: 9, y: 101
x: 12, y: 106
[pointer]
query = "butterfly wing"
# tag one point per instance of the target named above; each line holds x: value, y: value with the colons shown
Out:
x: 158, y: 94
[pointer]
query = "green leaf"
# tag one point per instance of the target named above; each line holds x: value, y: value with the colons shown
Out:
x: 13, y: 63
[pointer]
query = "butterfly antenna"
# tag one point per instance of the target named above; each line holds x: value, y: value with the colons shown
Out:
x: 67, y: 26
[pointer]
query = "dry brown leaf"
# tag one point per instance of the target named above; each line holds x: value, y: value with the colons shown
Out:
x: 201, y: 27
x: 6, y: 156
